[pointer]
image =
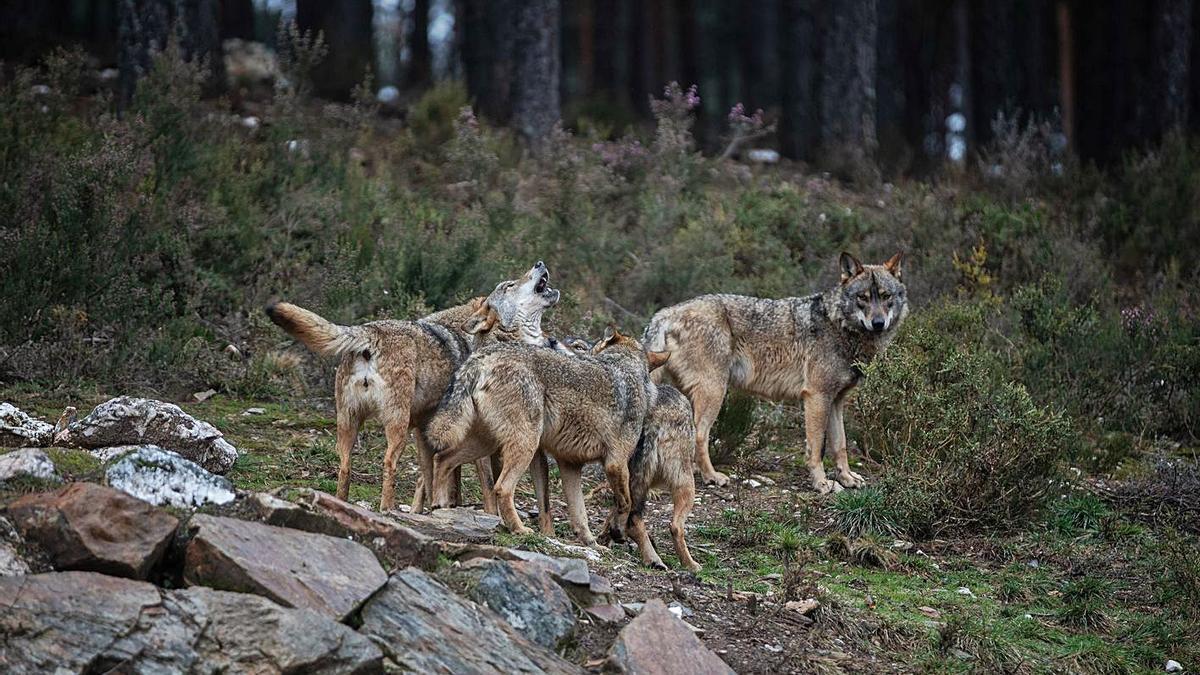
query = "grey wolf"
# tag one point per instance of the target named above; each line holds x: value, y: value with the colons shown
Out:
x: 578, y: 409
x: 662, y: 460
x: 397, y: 371
x: 807, y: 348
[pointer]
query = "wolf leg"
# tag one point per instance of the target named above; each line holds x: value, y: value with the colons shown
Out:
x: 486, y: 470
x: 572, y: 476
x: 637, y: 532
x: 618, y: 482
x: 516, y: 460
x: 347, y: 434
x: 396, y: 430
x: 540, y: 471
x: 682, y: 499
x: 816, y: 424
x: 706, y: 404
x: 444, y: 465
x: 837, y: 438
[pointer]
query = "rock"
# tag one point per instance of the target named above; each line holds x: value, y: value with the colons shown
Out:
x: 296, y: 569
x: 314, y: 511
x: 525, y: 596
x: 127, y: 420
x: 1173, y: 666
x: 657, y: 642
x: 202, y: 396
x: 424, y: 627
x: 18, y: 429
x: 11, y: 562
x: 164, y: 478
x: 454, y: 524
x: 606, y: 613
x: 807, y: 606
x: 88, y: 622
x: 84, y: 526
x: 27, y: 463
x: 963, y: 590
x: 929, y: 612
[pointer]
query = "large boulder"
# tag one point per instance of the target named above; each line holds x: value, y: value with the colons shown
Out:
x: 87, y: 622
x: 330, y: 575
x: 11, y: 561
x: 424, y: 627
x: 18, y: 429
x: 166, y: 479
x: 127, y: 420
x: 525, y: 596
x: 656, y: 642
x: 91, y: 527
x: 27, y: 463
x: 319, y: 512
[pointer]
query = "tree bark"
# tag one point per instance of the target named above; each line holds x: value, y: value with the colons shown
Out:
x: 536, y: 103
x: 347, y: 27
x: 488, y: 32
x: 847, y: 85
x: 798, y: 124
x: 420, y: 68
x: 1172, y: 40
x: 144, y: 27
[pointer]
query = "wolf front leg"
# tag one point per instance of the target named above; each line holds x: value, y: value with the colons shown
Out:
x: 837, y: 438
x: 817, y: 407
x: 572, y: 477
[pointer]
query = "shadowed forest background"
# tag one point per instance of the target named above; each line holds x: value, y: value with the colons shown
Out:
x: 169, y: 166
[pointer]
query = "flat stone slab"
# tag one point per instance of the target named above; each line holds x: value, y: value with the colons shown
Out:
x: 89, y: 622
x: 461, y: 523
x: 525, y: 596
x: 330, y: 575
x: 85, y: 526
x: 656, y: 642
x: 425, y: 627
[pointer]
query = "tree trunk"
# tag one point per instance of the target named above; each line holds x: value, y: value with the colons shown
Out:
x: 1172, y: 40
x: 536, y: 107
x: 420, y: 68
x: 347, y: 27
x: 606, y: 26
x: 143, y: 30
x: 847, y: 86
x: 798, y: 124
x: 237, y: 19
x: 488, y: 32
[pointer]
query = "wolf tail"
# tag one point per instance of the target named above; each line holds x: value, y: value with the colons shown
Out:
x: 319, y: 335
x: 449, y: 425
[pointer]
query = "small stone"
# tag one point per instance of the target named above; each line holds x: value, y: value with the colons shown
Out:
x: 27, y: 463
x: 254, y: 411
x: 963, y: 590
x: 202, y: 396
x: 752, y: 483
x: 1174, y: 666
x: 774, y: 649
x: 803, y: 606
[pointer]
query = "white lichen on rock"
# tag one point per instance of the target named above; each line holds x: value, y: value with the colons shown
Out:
x: 127, y: 420
x: 27, y: 463
x: 165, y: 478
x: 18, y: 429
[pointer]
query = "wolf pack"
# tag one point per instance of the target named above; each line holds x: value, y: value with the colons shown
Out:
x: 483, y: 383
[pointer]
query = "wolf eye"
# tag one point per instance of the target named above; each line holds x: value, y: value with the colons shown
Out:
x: 863, y: 297
x: 885, y: 296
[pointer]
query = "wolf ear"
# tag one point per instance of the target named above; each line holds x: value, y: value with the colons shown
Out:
x: 609, y: 333
x: 481, y: 321
x: 893, y: 264
x: 850, y: 266
x: 657, y: 359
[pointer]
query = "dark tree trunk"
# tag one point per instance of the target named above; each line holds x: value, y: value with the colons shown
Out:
x: 237, y: 19
x: 760, y: 63
x: 1172, y: 40
x: 798, y: 123
x: 847, y: 85
x: 606, y: 27
x: 420, y: 68
x: 536, y: 107
x: 347, y: 27
x: 143, y: 30
x: 488, y: 35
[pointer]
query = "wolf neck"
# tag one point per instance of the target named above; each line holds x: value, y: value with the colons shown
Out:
x: 856, y: 345
x: 530, y: 330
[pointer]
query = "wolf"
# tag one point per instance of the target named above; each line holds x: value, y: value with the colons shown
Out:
x: 398, y: 370
x: 807, y: 348
x: 577, y: 409
x: 662, y: 460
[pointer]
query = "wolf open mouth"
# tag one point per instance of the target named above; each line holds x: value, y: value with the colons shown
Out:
x: 542, y: 283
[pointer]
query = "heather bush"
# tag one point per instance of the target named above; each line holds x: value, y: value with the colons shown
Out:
x: 960, y: 442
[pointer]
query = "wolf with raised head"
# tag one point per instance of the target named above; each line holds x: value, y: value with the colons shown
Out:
x: 807, y: 348
x: 398, y: 370
x: 516, y: 399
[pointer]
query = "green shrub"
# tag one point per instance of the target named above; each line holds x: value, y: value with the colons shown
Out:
x: 1078, y: 514
x: 1085, y: 603
x: 865, y: 511
x: 960, y: 443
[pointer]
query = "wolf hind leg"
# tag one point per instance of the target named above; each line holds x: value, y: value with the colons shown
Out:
x: 706, y: 400
x: 682, y: 499
x: 837, y: 438
x: 572, y: 477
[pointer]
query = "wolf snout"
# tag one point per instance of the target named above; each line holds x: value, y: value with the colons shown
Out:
x: 878, y: 324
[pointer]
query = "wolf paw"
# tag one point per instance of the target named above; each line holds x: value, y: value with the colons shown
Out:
x: 717, y: 478
x: 521, y: 530
x: 825, y: 486
x: 850, y: 479
x: 657, y: 564
x: 694, y: 567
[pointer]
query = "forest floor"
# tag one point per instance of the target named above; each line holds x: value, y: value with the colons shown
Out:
x: 1082, y: 596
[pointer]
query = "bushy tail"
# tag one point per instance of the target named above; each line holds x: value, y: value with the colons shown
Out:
x: 449, y: 425
x: 321, y: 336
